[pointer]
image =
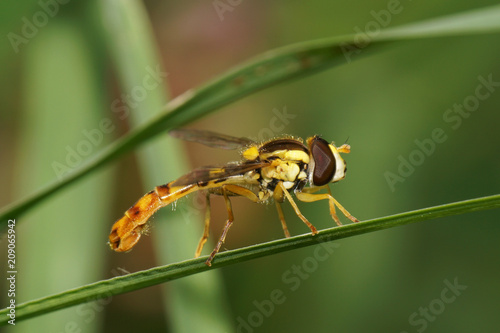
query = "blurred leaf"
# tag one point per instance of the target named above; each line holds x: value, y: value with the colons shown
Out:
x: 59, y: 88
x: 137, y: 63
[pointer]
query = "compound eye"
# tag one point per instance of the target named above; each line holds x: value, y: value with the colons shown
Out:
x: 324, y: 162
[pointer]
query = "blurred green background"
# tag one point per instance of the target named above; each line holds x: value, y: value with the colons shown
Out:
x: 60, y: 84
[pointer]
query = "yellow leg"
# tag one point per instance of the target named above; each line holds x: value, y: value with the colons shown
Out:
x: 239, y: 190
x: 243, y: 191
x: 278, y: 199
x: 296, y: 208
x: 229, y: 222
x: 342, y: 209
x: 307, y: 196
x: 282, y: 219
x: 206, y: 231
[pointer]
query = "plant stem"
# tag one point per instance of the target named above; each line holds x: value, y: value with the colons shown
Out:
x: 157, y: 275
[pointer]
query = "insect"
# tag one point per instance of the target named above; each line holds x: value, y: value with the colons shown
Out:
x: 269, y: 170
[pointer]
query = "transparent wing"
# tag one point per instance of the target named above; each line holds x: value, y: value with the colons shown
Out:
x: 218, y: 173
x: 211, y: 139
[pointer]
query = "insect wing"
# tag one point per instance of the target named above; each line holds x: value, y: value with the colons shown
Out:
x: 210, y: 173
x: 211, y: 139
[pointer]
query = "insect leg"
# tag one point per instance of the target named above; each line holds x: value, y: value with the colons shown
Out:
x: 282, y: 219
x: 278, y: 199
x: 307, y: 196
x: 206, y: 231
x: 243, y: 191
x: 235, y: 189
x: 229, y: 222
x: 296, y: 208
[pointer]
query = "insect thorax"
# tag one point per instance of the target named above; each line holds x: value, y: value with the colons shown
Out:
x: 289, y: 159
x: 291, y: 173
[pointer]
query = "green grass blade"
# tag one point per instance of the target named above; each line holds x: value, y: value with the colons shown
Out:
x: 483, y: 20
x: 268, y: 69
x: 133, y: 50
x: 138, y: 280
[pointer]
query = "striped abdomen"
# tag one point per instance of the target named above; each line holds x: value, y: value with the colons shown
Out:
x: 126, y: 232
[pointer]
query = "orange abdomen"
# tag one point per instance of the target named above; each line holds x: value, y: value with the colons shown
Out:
x: 127, y: 231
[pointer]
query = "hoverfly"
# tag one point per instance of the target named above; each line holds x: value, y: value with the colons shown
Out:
x: 269, y: 170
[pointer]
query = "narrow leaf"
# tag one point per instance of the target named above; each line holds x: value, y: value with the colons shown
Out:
x: 143, y: 279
